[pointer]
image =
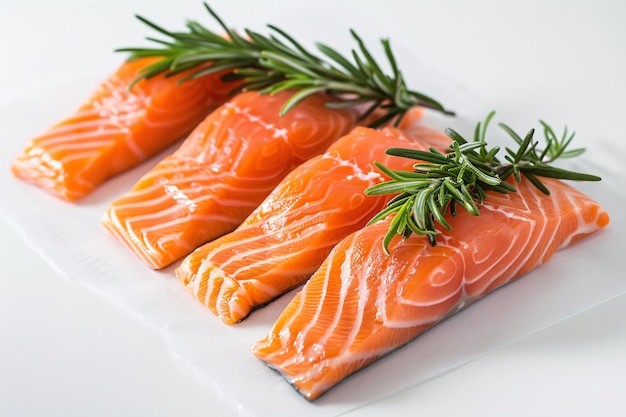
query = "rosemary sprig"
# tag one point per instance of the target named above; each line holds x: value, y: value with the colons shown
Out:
x: 441, y: 182
x: 278, y: 62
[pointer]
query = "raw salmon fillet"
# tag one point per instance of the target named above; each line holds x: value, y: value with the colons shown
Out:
x: 363, y: 304
x: 117, y: 128
x: 289, y: 235
x: 221, y: 173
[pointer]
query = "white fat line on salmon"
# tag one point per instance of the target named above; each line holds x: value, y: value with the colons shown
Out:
x: 225, y: 284
x: 368, y: 176
x: 198, y: 287
x: 219, y: 153
x: 159, y: 226
x: 109, y: 137
x: 584, y: 227
x: 497, y: 270
x: 513, y: 260
x: 285, y: 334
x: 312, y: 205
x: 216, y: 156
x: 168, y: 215
x: 277, y: 224
x: 226, y: 203
x: 277, y: 133
x: 141, y: 242
x: 209, y: 286
x: 385, y: 288
x: 129, y: 139
x: 275, y: 260
x: 228, y: 286
x: 364, y: 295
x: 164, y: 240
x: 300, y: 339
x: 117, y: 87
x: 121, y: 109
x: 88, y: 157
x: 158, y: 121
x: 404, y: 301
x: 86, y: 151
x: 204, y: 269
x: 317, y: 217
x: 130, y: 201
x: 159, y: 117
x: 87, y: 116
x: 309, y: 231
x: 92, y: 154
x: 83, y: 116
x: 255, y: 185
x: 242, y: 293
x: 202, y: 189
x: 126, y: 235
x: 528, y: 247
x: 48, y: 182
x: 460, y: 250
x: 540, y: 201
x: 42, y: 161
x: 181, y: 197
x: 555, y: 224
x: 235, y: 310
x: 121, y: 114
x: 172, y: 174
x: 146, y: 232
x: 56, y: 143
x: 67, y: 128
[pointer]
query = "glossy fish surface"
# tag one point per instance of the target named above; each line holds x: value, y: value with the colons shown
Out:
x: 362, y: 304
x: 116, y: 129
x: 288, y: 236
x: 221, y: 173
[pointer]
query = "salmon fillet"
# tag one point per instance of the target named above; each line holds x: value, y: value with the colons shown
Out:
x: 363, y: 304
x: 117, y: 128
x: 221, y: 173
x: 289, y: 235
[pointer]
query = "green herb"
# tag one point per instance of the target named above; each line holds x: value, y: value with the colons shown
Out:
x: 441, y: 182
x: 277, y: 62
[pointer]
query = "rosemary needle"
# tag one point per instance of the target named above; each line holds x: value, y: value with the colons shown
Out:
x: 441, y: 182
x: 275, y: 62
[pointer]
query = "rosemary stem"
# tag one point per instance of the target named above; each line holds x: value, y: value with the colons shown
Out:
x: 461, y: 177
x: 276, y: 62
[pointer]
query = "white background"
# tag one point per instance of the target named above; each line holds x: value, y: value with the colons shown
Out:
x: 65, y: 351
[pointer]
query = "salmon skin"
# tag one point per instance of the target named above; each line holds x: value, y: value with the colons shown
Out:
x: 117, y: 128
x: 288, y: 236
x: 221, y: 173
x: 363, y: 304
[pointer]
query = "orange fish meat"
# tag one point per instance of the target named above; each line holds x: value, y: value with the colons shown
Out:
x: 363, y: 304
x: 289, y: 235
x: 116, y: 129
x: 221, y: 173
